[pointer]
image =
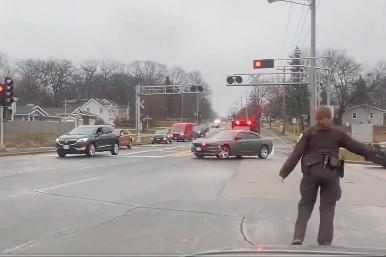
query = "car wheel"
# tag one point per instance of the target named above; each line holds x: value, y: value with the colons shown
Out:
x: 61, y: 155
x: 115, y: 149
x: 264, y: 151
x: 91, y: 150
x: 224, y: 153
x: 199, y: 156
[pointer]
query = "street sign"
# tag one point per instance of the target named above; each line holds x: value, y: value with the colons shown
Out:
x: 142, y: 104
x: 294, y: 121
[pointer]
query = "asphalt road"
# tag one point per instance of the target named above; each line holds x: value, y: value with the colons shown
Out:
x: 162, y: 200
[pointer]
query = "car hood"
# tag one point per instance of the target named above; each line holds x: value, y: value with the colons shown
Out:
x: 295, y: 251
x: 160, y: 136
x: 73, y: 136
x: 210, y: 141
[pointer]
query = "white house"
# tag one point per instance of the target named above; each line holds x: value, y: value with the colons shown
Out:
x: 364, y: 114
x: 104, y: 109
x: 31, y: 112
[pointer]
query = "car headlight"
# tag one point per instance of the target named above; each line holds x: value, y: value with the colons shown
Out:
x: 82, y: 140
x: 165, y: 138
x: 152, y: 138
x: 57, y: 140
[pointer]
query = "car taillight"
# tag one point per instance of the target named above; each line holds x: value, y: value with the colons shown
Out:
x: 249, y: 122
x: 181, y: 134
x: 203, y: 144
x: 237, y: 122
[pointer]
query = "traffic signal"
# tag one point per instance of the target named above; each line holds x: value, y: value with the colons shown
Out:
x: 234, y: 79
x: 2, y: 94
x: 263, y: 64
x: 6, y: 92
x: 196, y: 89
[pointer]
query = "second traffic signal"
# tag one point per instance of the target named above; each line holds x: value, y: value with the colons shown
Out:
x: 234, y: 79
x: 196, y: 89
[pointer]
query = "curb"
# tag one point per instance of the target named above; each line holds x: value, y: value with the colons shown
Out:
x: 4, y: 154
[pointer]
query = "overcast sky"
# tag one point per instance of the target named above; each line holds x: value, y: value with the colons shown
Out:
x: 217, y: 37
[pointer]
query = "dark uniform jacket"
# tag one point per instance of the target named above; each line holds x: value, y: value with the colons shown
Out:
x: 316, y: 143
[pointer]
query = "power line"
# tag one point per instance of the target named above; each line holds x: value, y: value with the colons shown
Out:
x: 301, y: 31
x: 309, y: 28
x: 286, y: 29
x: 298, y: 27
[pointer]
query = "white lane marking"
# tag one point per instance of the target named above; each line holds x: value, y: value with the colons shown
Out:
x: 69, y: 183
x: 154, y: 150
x: 142, y: 156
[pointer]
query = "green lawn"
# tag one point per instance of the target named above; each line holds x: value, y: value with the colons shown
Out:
x: 349, y: 156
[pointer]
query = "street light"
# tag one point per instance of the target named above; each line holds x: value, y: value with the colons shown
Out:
x: 312, y: 6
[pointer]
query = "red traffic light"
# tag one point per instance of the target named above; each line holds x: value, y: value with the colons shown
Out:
x: 264, y: 63
x: 2, y: 89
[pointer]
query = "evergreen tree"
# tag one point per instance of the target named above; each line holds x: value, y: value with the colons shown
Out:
x: 297, y: 96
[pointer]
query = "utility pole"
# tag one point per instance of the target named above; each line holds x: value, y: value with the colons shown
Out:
x: 65, y: 108
x: 284, y: 102
x: 197, y: 107
x: 246, y: 105
x: 328, y: 89
x: 2, y: 127
x: 138, y: 122
x: 313, y: 63
x: 182, y: 104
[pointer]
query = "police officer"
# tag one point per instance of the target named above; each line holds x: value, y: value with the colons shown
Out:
x: 319, y: 150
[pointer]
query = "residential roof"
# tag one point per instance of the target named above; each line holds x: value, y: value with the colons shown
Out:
x: 366, y: 106
x: 24, y: 109
x: 80, y: 102
x: 56, y: 111
x: 29, y: 108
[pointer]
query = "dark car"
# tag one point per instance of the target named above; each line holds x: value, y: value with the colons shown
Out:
x: 199, y: 131
x: 380, y: 156
x: 233, y: 143
x: 161, y: 136
x: 88, y: 140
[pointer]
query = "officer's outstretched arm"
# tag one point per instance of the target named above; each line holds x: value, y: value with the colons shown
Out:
x: 354, y: 146
x: 294, y: 158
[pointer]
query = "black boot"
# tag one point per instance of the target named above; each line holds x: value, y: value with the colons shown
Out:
x: 324, y: 243
x: 297, y: 242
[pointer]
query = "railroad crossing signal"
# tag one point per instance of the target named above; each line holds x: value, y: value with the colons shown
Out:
x: 263, y: 64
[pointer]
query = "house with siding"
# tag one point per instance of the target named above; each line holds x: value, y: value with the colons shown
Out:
x: 364, y: 114
x: 31, y: 112
x: 104, y: 109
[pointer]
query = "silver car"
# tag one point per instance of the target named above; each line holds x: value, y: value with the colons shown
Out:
x: 233, y: 143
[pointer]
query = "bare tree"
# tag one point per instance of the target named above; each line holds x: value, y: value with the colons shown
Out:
x: 344, y: 72
x: 89, y: 74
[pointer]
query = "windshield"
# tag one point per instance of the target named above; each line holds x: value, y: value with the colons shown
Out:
x: 225, y: 135
x: 82, y: 131
x: 161, y: 132
x: 175, y: 127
